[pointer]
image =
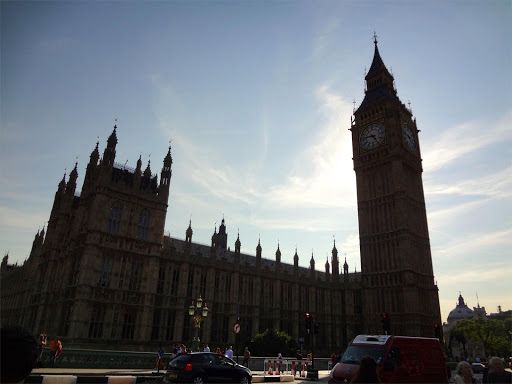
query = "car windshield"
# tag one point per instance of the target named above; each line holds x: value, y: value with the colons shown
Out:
x: 355, y: 353
x: 180, y: 361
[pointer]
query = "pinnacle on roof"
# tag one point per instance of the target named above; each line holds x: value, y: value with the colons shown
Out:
x: 377, y: 63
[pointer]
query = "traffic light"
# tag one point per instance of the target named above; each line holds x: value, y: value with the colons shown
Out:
x: 386, y: 325
x: 309, y: 320
x: 316, y: 328
x: 437, y: 331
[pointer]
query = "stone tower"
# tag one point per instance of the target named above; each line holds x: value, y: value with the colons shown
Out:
x: 396, y: 263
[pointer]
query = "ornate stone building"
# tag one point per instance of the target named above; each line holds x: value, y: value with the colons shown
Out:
x: 103, y: 275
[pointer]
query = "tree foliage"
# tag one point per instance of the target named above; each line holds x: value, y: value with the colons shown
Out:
x: 492, y: 333
x: 271, y: 342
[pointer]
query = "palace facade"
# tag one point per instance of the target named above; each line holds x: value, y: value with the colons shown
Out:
x: 103, y: 274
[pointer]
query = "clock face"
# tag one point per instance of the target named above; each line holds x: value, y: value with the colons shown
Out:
x: 409, y: 137
x: 372, y: 136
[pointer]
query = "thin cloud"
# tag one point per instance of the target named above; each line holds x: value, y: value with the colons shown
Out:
x: 332, y: 181
x: 498, y: 184
x: 475, y: 244
x: 469, y: 137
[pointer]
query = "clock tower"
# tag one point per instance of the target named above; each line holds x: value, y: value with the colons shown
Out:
x: 396, y: 262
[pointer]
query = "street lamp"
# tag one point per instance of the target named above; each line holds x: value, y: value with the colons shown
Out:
x: 198, y: 313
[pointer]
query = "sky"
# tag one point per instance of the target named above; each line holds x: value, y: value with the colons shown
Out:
x: 256, y: 99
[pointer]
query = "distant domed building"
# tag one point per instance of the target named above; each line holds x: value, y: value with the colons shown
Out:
x: 455, y: 342
x: 461, y: 311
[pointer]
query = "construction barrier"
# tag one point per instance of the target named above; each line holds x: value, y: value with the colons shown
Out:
x: 285, y: 367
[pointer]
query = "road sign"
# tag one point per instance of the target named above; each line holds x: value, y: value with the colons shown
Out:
x: 236, y: 328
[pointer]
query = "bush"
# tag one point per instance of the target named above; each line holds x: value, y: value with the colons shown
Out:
x: 271, y: 342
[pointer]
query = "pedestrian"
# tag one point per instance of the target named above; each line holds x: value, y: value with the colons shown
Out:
x: 43, y: 339
x: 56, y: 347
x: 463, y: 373
x: 367, y: 371
x: 229, y: 352
x: 497, y: 373
x: 206, y: 348
x: 159, y: 358
x: 247, y: 356
x: 218, y: 351
x: 298, y: 367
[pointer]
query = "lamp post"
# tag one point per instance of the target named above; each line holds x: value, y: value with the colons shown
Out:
x: 198, y: 311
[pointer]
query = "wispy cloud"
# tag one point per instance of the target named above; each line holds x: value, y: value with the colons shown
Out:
x: 332, y: 180
x: 465, y: 138
x: 471, y: 244
x: 324, y: 37
x: 498, y: 184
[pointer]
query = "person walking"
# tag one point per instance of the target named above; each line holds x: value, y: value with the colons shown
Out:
x: 463, y: 373
x: 43, y: 340
x: 229, y: 352
x: 159, y: 358
x: 247, y: 356
x: 497, y: 373
x: 56, y: 347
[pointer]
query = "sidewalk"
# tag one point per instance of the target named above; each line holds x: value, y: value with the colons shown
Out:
x: 146, y: 375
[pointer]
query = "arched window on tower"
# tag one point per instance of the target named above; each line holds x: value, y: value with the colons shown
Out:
x: 143, y: 227
x: 114, y: 220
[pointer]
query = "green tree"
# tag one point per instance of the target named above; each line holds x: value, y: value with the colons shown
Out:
x: 271, y: 342
x: 492, y: 333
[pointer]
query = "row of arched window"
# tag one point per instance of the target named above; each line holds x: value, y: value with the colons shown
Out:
x: 114, y: 222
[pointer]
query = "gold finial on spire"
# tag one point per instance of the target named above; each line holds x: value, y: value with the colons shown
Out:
x: 375, y: 38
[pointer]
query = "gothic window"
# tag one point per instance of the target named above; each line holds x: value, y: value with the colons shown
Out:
x: 216, y: 289
x: 122, y: 272
x: 143, y: 227
x: 128, y: 330
x: 250, y: 291
x: 115, y: 325
x: 76, y: 275
x: 135, y: 276
x: 270, y: 294
x: 161, y: 281
x: 96, y: 322
x: 106, y: 271
x: 357, y: 303
x: 228, y: 288
x: 68, y: 311
x: 156, y: 324
x: 175, y: 281
x: 190, y: 283
x: 169, y: 329
x: 114, y: 219
x: 202, y: 284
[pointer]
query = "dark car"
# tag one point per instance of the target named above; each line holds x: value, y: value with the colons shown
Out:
x: 478, y: 367
x: 206, y: 367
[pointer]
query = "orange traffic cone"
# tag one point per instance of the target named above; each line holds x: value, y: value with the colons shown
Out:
x: 270, y: 368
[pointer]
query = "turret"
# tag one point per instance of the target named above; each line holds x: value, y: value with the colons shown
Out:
x: 345, y: 266
x: 312, y: 266
x: 90, y: 172
x: 109, y: 155
x: 188, y: 233
x: 335, y: 262
x: 258, y: 254
x: 278, y: 255
x: 296, y: 262
x: 165, y: 175
x: 222, y: 237
x: 71, y: 185
x: 238, y: 244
